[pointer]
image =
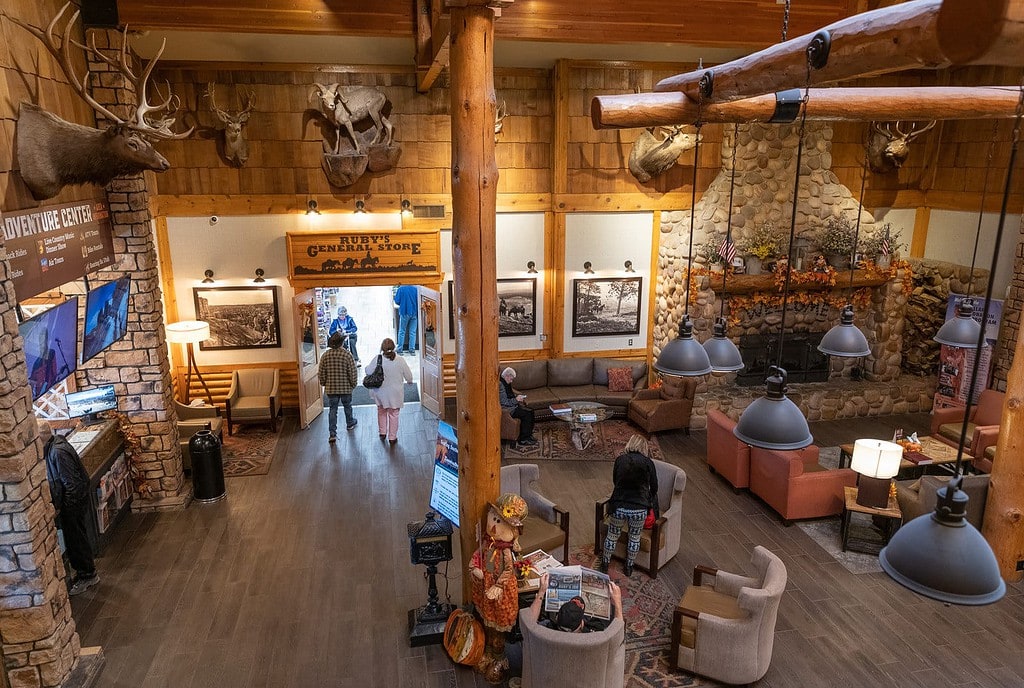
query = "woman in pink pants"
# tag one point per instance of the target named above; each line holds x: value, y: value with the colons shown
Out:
x: 391, y: 395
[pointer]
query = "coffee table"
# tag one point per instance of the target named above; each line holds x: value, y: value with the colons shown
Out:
x: 583, y: 419
x: 891, y: 515
x: 937, y: 454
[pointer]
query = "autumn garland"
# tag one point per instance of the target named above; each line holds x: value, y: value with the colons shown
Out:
x: 133, y: 448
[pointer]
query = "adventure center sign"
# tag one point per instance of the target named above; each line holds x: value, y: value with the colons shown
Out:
x: 364, y: 257
x: 48, y: 247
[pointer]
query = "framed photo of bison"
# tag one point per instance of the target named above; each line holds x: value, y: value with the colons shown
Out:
x: 517, y: 308
x: 239, y: 317
x: 606, y: 306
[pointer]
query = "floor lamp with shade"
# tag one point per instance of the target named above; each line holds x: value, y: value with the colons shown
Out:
x: 190, y: 332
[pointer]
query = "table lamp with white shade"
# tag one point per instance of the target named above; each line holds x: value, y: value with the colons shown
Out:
x: 189, y: 332
x: 877, y: 462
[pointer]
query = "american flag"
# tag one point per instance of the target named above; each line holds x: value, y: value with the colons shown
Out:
x: 728, y: 251
x: 885, y: 244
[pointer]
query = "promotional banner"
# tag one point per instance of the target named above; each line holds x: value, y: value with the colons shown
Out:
x: 52, y: 246
x: 444, y: 492
x: 956, y: 364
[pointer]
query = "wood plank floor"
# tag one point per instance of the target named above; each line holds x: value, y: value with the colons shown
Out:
x: 301, y: 578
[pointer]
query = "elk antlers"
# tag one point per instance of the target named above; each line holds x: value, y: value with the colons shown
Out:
x: 59, y: 45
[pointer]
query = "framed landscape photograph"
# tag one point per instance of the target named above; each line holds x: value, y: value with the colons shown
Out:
x: 239, y: 317
x: 517, y: 308
x: 606, y: 306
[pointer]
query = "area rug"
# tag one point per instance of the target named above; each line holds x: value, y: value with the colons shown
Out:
x: 361, y: 395
x: 647, y: 606
x: 249, y: 451
x: 554, y: 442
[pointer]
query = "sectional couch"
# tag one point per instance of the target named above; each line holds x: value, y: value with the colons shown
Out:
x: 558, y: 380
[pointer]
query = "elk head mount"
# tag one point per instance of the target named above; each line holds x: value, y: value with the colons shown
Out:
x: 889, y: 145
x: 651, y: 155
x: 53, y: 153
x: 342, y: 108
x: 499, y: 119
x: 235, y: 146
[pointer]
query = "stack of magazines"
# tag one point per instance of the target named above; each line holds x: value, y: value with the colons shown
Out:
x: 566, y: 582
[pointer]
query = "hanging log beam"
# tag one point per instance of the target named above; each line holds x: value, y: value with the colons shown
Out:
x: 474, y: 202
x: 836, y: 104
x: 889, y: 39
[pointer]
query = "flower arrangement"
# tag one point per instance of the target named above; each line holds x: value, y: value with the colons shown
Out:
x: 709, y: 252
x: 837, y: 236
x: 884, y: 241
x: 765, y: 242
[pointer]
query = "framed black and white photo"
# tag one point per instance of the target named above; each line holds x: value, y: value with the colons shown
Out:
x: 239, y: 317
x: 517, y: 308
x: 606, y: 306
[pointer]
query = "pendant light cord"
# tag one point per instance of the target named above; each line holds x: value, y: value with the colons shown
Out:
x: 860, y: 211
x: 1007, y: 186
x: 693, y: 203
x: 728, y: 224
x: 981, y: 210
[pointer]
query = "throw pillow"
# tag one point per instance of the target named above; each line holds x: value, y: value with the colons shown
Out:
x: 620, y: 379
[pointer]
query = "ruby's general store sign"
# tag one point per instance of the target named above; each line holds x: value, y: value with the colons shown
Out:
x: 48, y: 247
x: 363, y: 257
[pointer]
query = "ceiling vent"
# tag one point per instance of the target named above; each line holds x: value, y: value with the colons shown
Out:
x: 428, y: 211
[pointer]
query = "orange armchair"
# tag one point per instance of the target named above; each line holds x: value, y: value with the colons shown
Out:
x: 665, y: 408
x: 982, y: 427
x: 795, y: 485
x: 728, y: 455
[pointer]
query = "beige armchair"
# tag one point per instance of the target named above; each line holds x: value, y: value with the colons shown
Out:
x: 726, y: 630
x: 557, y: 658
x: 547, y: 526
x: 918, y: 497
x: 192, y: 419
x: 659, y: 544
x: 253, y: 397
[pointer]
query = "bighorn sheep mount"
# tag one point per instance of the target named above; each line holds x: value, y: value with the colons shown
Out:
x: 373, y: 148
x: 889, y: 145
x: 53, y: 153
x: 652, y: 156
x: 235, y: 146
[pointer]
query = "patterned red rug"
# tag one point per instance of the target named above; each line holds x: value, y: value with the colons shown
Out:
x: 249, y: 451
x: 647, y: 606
x: 554, y: 442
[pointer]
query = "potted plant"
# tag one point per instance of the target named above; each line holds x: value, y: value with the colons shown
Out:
x: 764, y: 243
x: 709, y: 252
x: 881, y: 245
x: 836, y: 240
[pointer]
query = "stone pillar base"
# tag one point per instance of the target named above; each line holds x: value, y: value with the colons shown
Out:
x: 87, y: 672
x: 170, y: 503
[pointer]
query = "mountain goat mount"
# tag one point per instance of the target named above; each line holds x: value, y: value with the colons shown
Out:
x: 651, y: 155
x: 53, y: 153
x: 234, y: 145
x: 363, y: 138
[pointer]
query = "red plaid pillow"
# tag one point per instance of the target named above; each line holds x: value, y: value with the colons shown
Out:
x: 620, y: 379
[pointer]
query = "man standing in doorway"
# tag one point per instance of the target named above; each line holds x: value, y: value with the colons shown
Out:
x: 407, y: 300
x: 338, y: 375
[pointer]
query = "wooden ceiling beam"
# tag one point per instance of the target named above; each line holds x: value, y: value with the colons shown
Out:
x: 910, y: 35
x: 918, y: 103
x: 433, y: 37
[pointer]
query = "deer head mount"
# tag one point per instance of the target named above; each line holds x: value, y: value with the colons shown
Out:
x: 236, y: 147
x: 342, y: 108
x: 651, y: 155
x: 889, y: 144
x: 499, y: 119
x: 53, y: 153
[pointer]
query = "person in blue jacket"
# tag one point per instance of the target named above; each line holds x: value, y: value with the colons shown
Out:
x: 347, y: 327
x: 407, y: 300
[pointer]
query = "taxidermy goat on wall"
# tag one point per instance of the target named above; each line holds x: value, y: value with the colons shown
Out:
x: 236, y: 147
x: 651, y: 156
x: 53, y: 153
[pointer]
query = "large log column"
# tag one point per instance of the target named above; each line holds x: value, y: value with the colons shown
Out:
x: 474, y: 201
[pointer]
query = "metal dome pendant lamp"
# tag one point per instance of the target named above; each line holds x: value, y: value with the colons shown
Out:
x: 845, y: 339
x: 724, y: 355
x: 940, y: 555
x: 774, y: 421
x: 684, y: 356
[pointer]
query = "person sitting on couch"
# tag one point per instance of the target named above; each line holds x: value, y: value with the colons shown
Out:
x: 513, y: 401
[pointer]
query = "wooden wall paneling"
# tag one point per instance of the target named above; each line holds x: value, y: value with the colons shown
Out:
x: 921, y: 220
x: 218, y: 379
x: 560, y: 140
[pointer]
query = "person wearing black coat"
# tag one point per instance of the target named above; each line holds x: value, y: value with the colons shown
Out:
x: 69, y: 489
x: 635, y: 492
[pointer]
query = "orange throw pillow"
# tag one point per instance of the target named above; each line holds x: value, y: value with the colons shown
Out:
x: 620, y: 380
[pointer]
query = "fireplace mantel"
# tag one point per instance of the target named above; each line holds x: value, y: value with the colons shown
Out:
x: 746, y: 284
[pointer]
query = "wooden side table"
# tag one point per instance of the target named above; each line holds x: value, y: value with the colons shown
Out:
x: 891, y: 515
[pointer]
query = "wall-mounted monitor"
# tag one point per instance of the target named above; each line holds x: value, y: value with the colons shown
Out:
x: 51, y: 346
x: 106, y: 316
x: 87, y: 403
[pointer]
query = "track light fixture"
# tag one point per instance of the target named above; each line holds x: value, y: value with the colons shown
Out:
x: 531, y: 267
x: 360, y: 206
x: 208, y: 276
x: 588, y: 268
x: 259, y: 275
x: 311, y: 207
x: 406, y: 206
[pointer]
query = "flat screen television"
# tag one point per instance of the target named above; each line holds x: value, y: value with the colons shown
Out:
x: 106, y: 316
x: 51, y: 346
x: 87, y: 403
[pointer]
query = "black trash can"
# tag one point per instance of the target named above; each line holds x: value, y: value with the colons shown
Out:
x: 207, y: 467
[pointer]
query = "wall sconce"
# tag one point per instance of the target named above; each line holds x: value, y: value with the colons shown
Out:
x: 311, y: 207
x: 531, y: 267
x: 360, y: 206
x: 406, y: 207
x: 629, y: 266
x: 259, y: 275
x: 588, y: 269
x: 208, y: 276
